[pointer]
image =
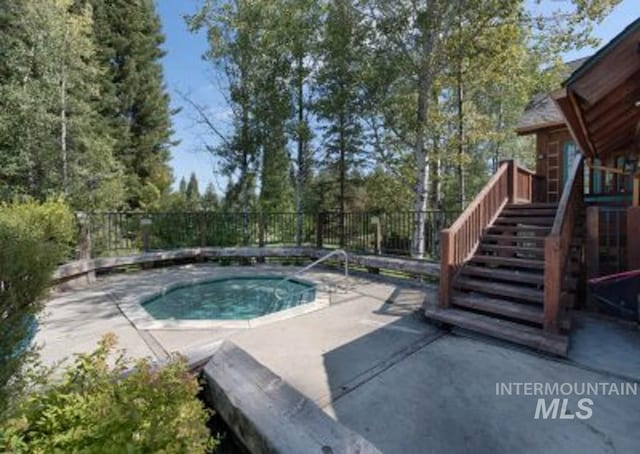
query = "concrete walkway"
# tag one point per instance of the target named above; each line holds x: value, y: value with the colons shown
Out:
x: 373, y: 363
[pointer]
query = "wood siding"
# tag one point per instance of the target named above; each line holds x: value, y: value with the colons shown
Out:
x: 549, y: 162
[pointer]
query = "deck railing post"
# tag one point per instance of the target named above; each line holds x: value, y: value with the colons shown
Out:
x: 633, y: 238
x: 446, y: 267
x: 512, y: 179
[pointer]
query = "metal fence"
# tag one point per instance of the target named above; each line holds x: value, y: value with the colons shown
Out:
x: 122, y: 233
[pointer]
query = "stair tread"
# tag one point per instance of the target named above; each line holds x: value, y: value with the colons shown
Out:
x: 505, y: 275
x: 521, y: 239
x: 529, y: 212
x: 503, y: 329
x: 537, y: 220
x: 529, y: 206
x: 498, y: 306
x: 512, y: 238
x: 520, y: 228
x: 514, y: 249
x: 515, y: 291
x: 508, y: 261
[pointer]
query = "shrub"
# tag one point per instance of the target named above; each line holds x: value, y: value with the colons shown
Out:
x: 97, y: 407
x: 34, y: 238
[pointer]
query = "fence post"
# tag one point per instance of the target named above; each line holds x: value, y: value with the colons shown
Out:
x: 84, y: 241
x: 319, y: 226
x: 375, y: 220
x: 145, y: 225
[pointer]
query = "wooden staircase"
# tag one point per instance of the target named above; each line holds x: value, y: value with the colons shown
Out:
x: 493, y: 269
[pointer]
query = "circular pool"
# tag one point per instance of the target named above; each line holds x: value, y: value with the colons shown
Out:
x: 230, y: 298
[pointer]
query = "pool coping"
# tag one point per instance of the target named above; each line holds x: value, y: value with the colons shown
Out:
x: 131, y: 305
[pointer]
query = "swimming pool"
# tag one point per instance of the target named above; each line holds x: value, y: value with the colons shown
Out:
x: 230, y: 298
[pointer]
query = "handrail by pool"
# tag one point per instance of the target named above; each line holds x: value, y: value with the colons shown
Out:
x: 311, y: 265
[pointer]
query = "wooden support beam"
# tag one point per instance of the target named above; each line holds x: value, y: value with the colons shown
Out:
x: 633, y: 237
x: 573, y: 99
x: 592, y: 242
x: 592, y: 250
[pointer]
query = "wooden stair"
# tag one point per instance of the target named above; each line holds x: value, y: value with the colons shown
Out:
x: 499, y: 291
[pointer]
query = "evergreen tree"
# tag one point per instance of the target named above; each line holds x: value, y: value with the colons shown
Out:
x: 192, y: 191
x: 135, y: 102
x: 340, y: 89
x: 51, y: 139
x: 210, y: 198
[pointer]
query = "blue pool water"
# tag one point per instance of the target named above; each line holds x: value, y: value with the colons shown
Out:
x: 234, y: 298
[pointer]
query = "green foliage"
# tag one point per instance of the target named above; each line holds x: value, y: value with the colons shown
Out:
x: 34, y: 238
x: 52, y: 140
x: 134, y: 103
x: 99, y: 407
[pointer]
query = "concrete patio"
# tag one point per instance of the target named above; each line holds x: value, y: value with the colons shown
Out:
x: 372, y: 362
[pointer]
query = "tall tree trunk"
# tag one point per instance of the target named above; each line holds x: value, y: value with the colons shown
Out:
x: 244, y: 175
x: 497, y: 143
x: 343, y: 170
x: 461, y: 177
x: 63, y: 130
x: 425, y: 83
x: 301, y: 174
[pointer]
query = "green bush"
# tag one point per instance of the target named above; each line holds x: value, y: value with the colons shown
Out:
x: 34, y: 238
x: 100, y: 408
x: 51, y: 222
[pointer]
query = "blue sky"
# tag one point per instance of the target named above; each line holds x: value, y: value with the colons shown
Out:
x: 186, y: 72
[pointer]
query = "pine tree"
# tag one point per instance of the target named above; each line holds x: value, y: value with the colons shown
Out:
x: 51, y: 139
x: 192, y: 192
x: 339, y: 95
x: 210, y: 198
x: 136, y: 104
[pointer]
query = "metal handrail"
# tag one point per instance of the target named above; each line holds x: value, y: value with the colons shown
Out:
x: 311, y: 265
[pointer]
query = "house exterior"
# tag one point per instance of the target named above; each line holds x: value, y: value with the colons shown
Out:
x: 516, y: 262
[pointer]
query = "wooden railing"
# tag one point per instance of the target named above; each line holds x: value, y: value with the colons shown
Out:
x: 557, y: 246
x: 510, y: 184
x: 524, y: 180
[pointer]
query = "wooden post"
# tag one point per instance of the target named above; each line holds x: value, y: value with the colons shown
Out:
x: 593, y: 242
x: 84, y: 242
x: 636, y: 190
x: 552, y: 283
x: 512, y: 178
x: 633, y: 238
x: 592, y: 251
x: 84, y: 236
x: 446, y: 267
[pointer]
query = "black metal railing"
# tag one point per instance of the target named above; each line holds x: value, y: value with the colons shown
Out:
x: 122, y: 233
